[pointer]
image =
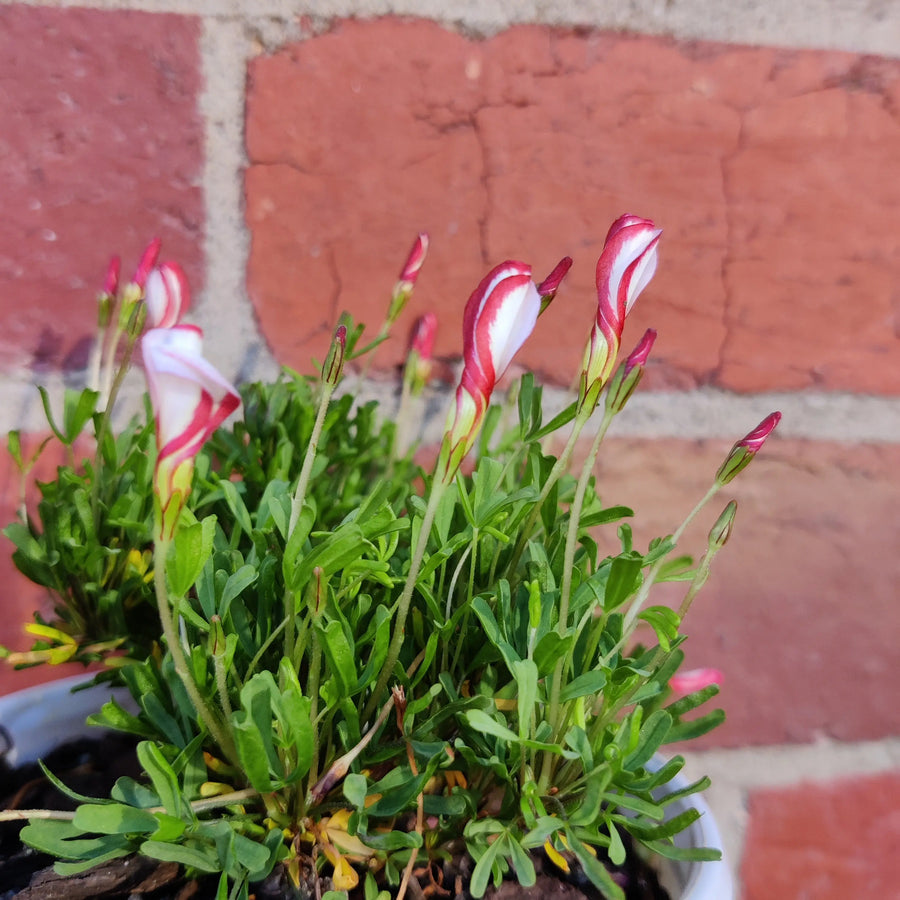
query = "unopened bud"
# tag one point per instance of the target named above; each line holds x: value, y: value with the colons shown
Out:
x: 745, y: 449
x: 147, y: 262
x: 136, y: 319
x: 421, y: 348
x: 334, y: 362
x: 622, y: 385
x: 111, y: 281
x: 550, y: 285
x: 721, y: 531
x: 217, y: 642
x: 409, y: 274
x: 317, y: 592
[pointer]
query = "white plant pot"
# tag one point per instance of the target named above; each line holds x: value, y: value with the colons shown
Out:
x: 35, y: 720
x: 695, y: 880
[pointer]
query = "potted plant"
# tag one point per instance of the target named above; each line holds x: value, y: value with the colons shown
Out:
x: 352, y: 672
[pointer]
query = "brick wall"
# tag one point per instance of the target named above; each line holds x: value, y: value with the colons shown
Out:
x: 287, y: 161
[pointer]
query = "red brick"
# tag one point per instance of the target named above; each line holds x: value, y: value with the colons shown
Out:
x: 831, y: 842
x: 800, y: 612
x: 769, y: 170
x: 102, y: 149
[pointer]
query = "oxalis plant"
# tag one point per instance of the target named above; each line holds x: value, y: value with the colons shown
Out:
x: 344, y: 664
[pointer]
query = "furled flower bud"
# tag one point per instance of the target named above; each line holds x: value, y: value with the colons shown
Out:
x: 408, y: 276
x: 106, y: 299
x: 111, y: 281
x: 421, y: 349
x: 695, y: 680
x: 745, y: 449
x: 147, y: 263
x: 166, y: 295
x: 498, y: 318
x: 721, y: 530
x: 550, y: 285
x: 627, y: 376
x: 626, y: 265
x: 334, y: 362
x: 190, y: 400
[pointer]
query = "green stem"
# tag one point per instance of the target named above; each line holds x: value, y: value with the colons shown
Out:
x: 297, y: 506
x: 562, y: 624
x: 309, y: 459
x: 644, y: 592
x: 312, y: 691
x: 222, y: 686
x: 559, y: 467
x: 209, y: 718
x: 437, y: 489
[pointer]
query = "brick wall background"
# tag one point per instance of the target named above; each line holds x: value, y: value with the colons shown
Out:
x: 287, y: 153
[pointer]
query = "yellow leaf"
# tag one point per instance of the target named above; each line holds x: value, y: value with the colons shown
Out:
x: 556, y: 857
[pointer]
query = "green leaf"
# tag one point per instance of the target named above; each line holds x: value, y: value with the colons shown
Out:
x: 192, y: 547
x: 113, y: 818
x: 521, y: 863
x: 549, y: 650
x: 78, y: 407
x: 341, y: 656
x: 161, y: 776
x: 653, y: 734
x: 586, y: 684
x: 687, y: 731
x: 98, y: 859
x: 200, y: 857
x: 525, y: 673
x: 687, y: 854
x: 48, y: 412
x: 483, y: 868
x: 665, y: 622
x: 594, y: 869
x: 235, y: 585
x: 623, y: 580
x: 236, y: 504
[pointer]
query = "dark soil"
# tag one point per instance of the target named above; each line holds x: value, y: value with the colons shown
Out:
x: 92, y: 767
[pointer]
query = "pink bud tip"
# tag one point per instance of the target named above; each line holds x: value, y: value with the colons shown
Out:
x: 641, y: 352
x: 148, y: 261
x: 422, y: 338
x: 756, y: 438
x: 111, y: 281
x: 695, y: 680
x: 550, y: 285
x: 414, y: 261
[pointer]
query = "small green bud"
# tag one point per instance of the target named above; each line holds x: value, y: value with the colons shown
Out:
x: 721, y: 531
x: 334, y: 362
x: 217, y: 642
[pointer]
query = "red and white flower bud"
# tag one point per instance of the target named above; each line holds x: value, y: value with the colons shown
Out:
x: 409, y: 274
x: 626, y: 379
x: 695, y: 680
x: 410, y: 271
x: 626, y: 265
x: 190, y: 399
x: 147, y: 263
x: 746, y: 448
x: 421, y: 350
x: 498, y: 318
x: 167, y: 295
x: 111, y: 281
x: 550, y: 285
